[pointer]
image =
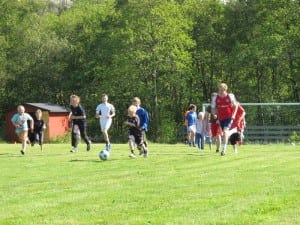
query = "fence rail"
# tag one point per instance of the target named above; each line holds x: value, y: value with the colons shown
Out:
x: 270, y: 133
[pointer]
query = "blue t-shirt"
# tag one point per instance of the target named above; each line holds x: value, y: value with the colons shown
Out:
x: 21, y: 120
x: 144, y: 118
x: 191, y: 118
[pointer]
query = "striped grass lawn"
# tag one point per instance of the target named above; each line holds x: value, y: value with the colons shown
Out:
x: 177, y: 184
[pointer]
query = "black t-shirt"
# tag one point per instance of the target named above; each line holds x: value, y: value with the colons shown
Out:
x: 38, y: 125
x: 78, y: 111
x: 134, y: 130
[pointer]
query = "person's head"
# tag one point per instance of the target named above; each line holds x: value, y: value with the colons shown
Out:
x: 136, y: 101
x: 222, y: 88
x: 104, y: 97
x: 74, y: 100
x: 38, y: 114
x: 132, y: 110
x: 192, y: 107
x: 201, y: 115
x: 213, y: 94
x: 21, y: 109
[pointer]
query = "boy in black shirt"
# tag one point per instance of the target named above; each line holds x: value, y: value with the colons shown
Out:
x: 135, y: 133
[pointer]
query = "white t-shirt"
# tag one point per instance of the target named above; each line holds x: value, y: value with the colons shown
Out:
x: 104, y: 110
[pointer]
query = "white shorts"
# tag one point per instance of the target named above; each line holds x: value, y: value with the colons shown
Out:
x: 192, y: 128
x: 105, y: 124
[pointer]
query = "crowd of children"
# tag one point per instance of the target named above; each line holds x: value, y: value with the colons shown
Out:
x: 222, y: 121
x: 31, y: 130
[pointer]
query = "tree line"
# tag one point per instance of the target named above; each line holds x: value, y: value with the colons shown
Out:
x: 168, y: 53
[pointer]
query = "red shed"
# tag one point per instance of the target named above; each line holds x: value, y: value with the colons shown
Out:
x: 55, y: 117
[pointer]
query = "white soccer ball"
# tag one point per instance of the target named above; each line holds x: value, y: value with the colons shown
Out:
x: 104, y: 154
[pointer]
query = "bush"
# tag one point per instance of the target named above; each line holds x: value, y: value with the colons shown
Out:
x: 294, y: 138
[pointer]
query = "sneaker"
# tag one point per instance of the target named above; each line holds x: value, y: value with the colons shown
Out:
x: 217, y: 150
x: 145, y: 154
x: 22, y: 152
x: 108, y: 147
x: 235, y: 151
x: 88, y: 146
x: 74, y: 150
x: 222, y: 153
x: 132, y: 155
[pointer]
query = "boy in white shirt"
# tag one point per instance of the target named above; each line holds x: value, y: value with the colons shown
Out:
x: 105, y: 112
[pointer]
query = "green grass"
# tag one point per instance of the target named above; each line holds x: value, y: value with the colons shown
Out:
x: 175, y: 185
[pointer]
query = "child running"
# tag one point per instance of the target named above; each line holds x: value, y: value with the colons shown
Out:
x: 39, y: 128
x: 19, y: 120
x: 135, y: 133
x: 200, y: 131
x: 237, y: 128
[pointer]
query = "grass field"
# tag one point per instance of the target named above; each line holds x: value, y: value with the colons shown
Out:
x: 175, y: 185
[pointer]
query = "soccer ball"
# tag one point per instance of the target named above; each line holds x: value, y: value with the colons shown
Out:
x: 104, y: 154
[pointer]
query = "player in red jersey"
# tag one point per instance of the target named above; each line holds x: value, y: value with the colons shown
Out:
x: 237, y: 127
x: 225, y: 106
x: 215, y: 129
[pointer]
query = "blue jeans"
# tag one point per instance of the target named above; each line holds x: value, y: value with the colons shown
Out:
x: 200, y: 141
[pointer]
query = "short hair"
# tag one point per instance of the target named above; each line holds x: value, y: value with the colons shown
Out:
x: 136, y: 100
x: 200, y: 114
x: 20, y: 107
x: 74, y: 97
x: 223, y: 85
x: 132, y: 109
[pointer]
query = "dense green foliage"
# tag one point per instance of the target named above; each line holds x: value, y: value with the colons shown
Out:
x: 169, y: 53
x: 176, y: 185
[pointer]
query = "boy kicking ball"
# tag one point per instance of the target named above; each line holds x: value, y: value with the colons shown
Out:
x: 135, y: 136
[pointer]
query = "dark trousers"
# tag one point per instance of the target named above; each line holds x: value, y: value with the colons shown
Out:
x: 83, y: 135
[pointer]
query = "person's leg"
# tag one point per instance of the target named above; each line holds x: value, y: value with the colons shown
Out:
x: 41, y: 139
x: 202, y: 139
x: 105, y: 125
x: 23, y: 136
x: 142, y: 144
x: 225, y: 125
x: 83, y: 134
x: 198, y: 141
x: 131, y: 143
x: 74, y: 141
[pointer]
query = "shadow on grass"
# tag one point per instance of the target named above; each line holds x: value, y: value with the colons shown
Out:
x: 91, y: 160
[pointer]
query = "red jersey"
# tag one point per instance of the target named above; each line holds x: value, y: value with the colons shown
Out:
x: 239, y: 121
x: 224, y: 107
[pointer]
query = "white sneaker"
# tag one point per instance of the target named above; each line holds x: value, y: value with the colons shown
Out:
x: 235, y: 151
x: 74, y: 150
x: 132, y: 155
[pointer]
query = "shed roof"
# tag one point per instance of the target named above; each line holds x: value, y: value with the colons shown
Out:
x: 49, y: 107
